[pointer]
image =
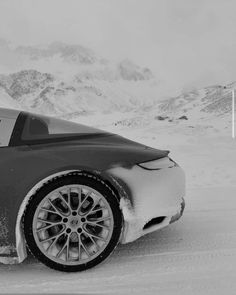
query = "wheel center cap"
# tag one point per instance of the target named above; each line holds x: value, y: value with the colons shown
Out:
x: 74, y: 222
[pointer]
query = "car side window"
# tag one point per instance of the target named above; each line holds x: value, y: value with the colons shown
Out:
x: 6, y: 128
x: 39, y: 127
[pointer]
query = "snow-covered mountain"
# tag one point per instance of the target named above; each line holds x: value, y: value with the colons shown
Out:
x: 71, y: 81
x: 6, y: 101
x: 216, y: 100
x: 47, y: 93
x: 210, y: 107
x: 67, y: 80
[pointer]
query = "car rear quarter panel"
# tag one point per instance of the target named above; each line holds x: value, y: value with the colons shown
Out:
x: 22, y: 167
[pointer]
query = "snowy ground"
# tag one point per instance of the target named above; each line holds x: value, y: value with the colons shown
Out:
x: 196, y: 255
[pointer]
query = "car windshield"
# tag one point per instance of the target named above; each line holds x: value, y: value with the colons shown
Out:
x: 42, y: 127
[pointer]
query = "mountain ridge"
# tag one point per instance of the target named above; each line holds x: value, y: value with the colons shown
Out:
x: 83, y: 83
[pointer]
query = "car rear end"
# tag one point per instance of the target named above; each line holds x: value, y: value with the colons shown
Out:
x: 157, y: 191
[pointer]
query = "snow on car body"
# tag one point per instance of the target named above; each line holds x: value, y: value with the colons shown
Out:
x: 52, y: 171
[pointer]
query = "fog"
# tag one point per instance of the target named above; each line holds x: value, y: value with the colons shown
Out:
x: 185, y: 43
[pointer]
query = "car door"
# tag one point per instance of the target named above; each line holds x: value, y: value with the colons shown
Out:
x: 6, y: 127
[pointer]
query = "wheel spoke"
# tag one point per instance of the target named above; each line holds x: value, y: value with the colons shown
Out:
x: 66, y: 245
x: 67, y: 249
x: 85, y: 198
x: 60, y: 196
x: 97, y: 224
x: 79, y: 190
x: 84, y: 247
x: 94, y: 236
x: 50, y: 211
x: 48, y: 239
x: 55, y: 208
x: 100, y: 219
x: 95, y: 211
x: 48, y: 221
x: 79, y: 247
x: 92, y: 239
x: 47, y: 226
x: 69, y: 198
x: 52, y: 237
x: 96, y: 202
x: 54, y: 242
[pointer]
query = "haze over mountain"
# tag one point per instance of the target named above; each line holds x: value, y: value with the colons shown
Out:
x: 61, y: 78
x: 71, y: 81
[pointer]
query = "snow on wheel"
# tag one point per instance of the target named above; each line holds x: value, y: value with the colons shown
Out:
x: 73, y: 223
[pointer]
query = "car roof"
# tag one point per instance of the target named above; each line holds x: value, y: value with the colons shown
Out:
x: 9, y: 113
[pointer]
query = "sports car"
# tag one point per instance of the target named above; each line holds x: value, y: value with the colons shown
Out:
x: 69, y: 193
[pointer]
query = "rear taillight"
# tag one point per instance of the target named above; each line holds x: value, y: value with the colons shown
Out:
x: 162, y: 163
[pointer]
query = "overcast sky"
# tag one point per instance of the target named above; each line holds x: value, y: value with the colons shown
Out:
x: 185, y: 42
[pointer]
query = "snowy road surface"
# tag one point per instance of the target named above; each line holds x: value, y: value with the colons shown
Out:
x: 196, y: 255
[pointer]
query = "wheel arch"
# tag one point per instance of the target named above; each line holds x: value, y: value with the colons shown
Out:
x: 19, y: 233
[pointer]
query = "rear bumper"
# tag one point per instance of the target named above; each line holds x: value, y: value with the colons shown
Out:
x: 153, y: 194
x: 179, y: 214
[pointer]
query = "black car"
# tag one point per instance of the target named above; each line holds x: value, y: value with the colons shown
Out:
x: 70, y: 193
